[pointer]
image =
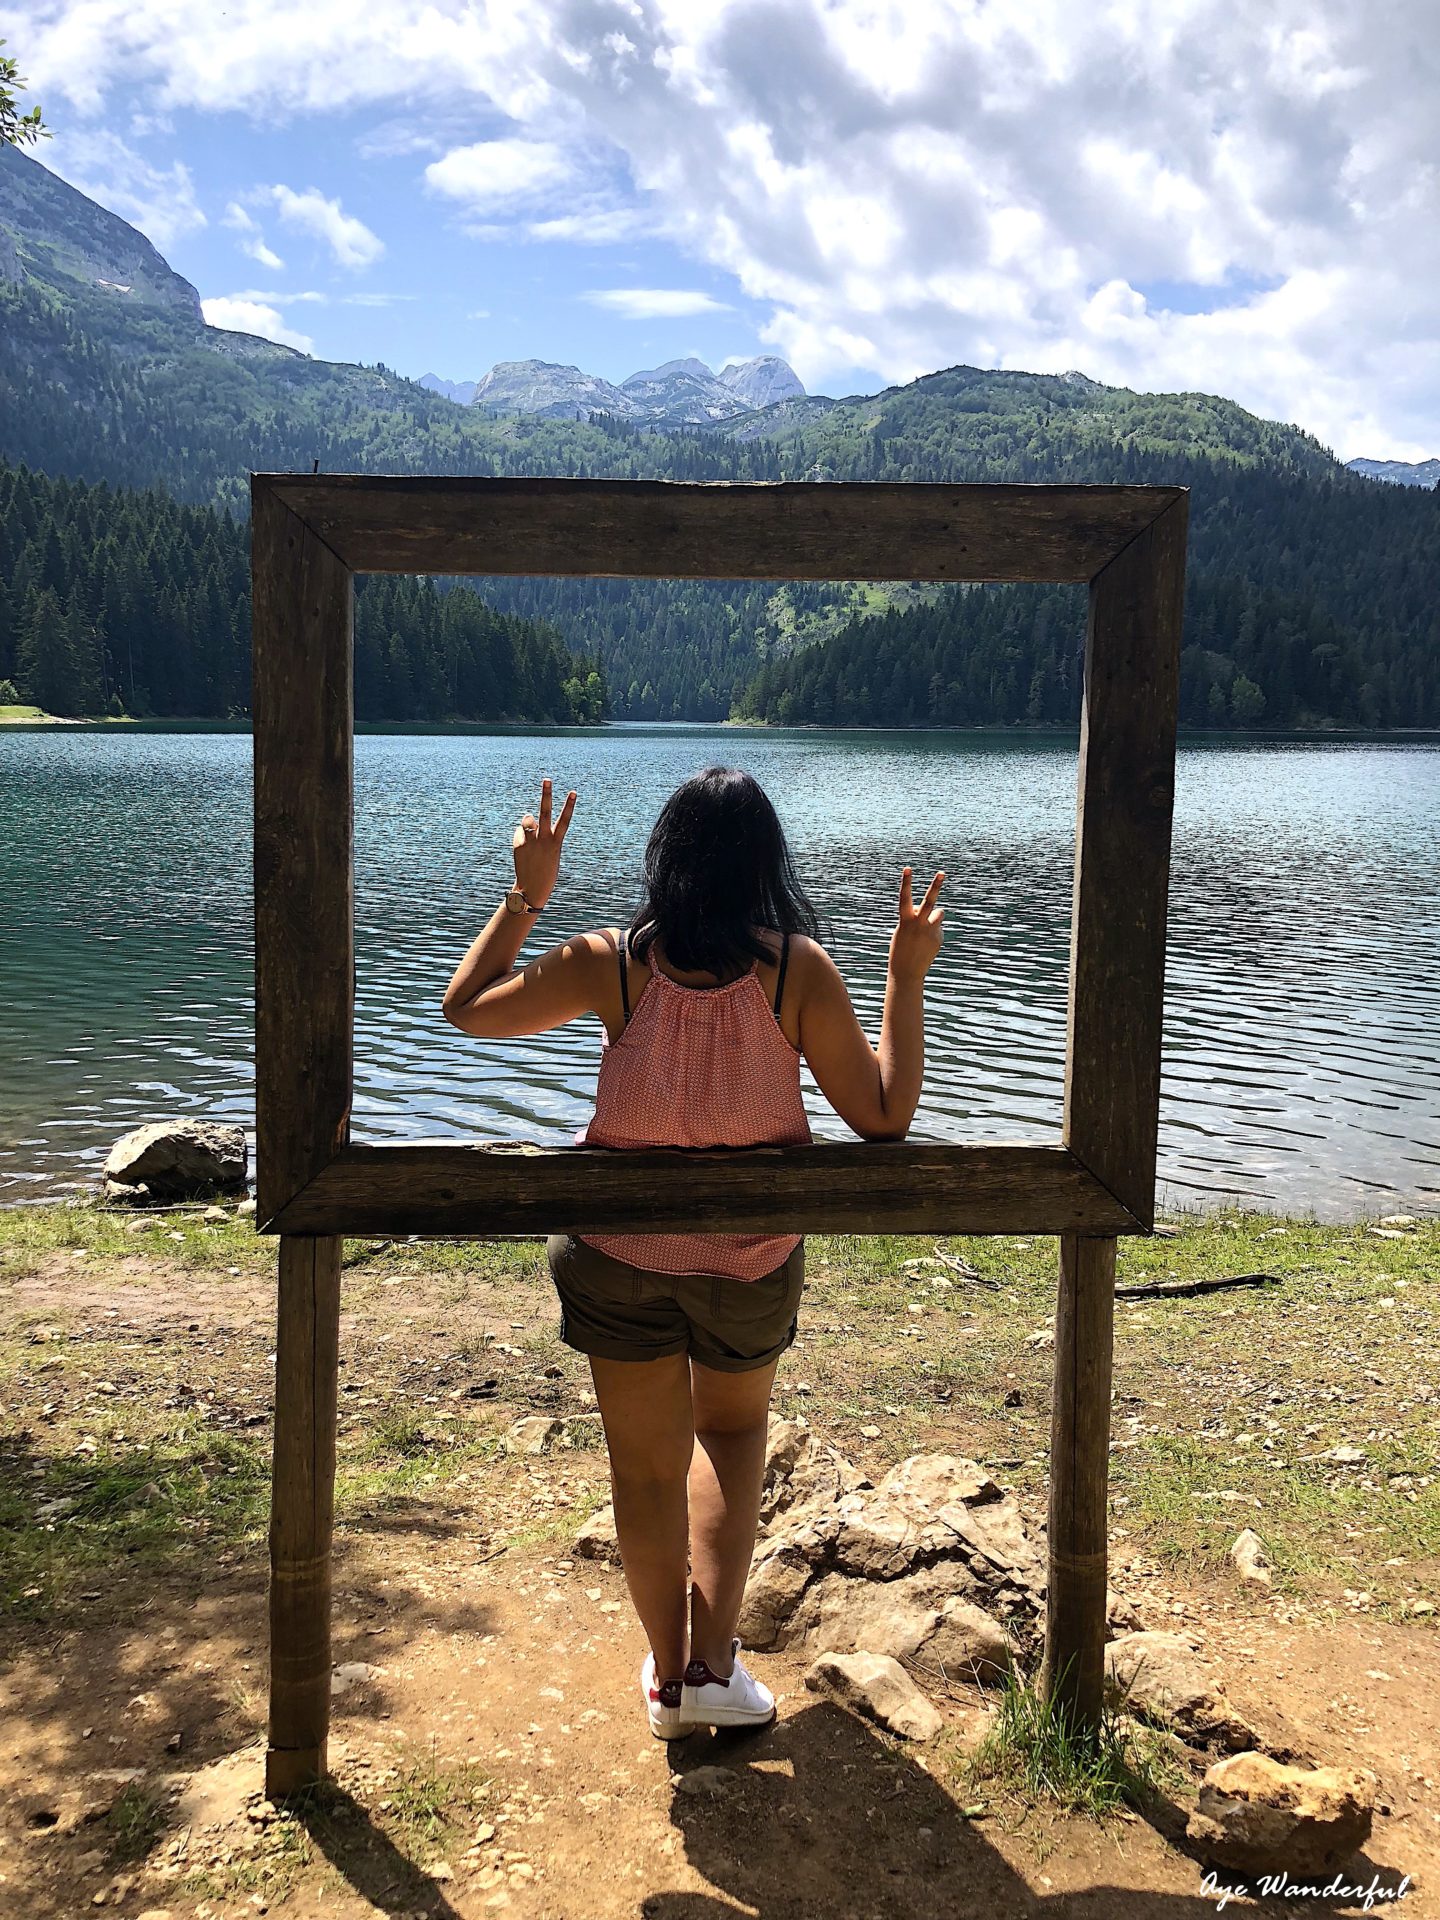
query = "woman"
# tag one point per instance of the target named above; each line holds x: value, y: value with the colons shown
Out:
x: 709, y: 1000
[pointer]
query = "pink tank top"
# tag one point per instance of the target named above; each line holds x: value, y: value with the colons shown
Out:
x: 699, y: 1067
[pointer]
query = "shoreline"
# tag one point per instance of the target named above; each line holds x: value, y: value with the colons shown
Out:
x: 99, y: 723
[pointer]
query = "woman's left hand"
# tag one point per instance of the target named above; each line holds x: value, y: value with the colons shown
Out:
x: 536, y: 845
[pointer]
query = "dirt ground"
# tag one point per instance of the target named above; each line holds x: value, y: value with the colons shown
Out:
x: 489, y: 1748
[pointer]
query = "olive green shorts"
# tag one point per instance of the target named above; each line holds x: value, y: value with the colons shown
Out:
x: 618, y: 1312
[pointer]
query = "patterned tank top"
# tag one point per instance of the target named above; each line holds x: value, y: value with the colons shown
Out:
x: 699, y: 1067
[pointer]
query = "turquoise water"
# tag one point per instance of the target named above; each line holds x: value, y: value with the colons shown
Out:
x: 1301, y: 1060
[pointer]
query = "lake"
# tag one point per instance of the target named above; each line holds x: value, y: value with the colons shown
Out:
x: 1302, y: 1037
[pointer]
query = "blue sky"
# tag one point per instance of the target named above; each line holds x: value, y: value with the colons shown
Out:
x: 433, y: 294
x: 1193, y: 198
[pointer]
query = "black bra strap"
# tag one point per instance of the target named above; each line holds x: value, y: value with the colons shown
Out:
x: 624, y: 951
x: 784, y: 963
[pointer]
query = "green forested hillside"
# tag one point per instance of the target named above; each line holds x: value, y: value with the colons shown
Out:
x: 1319, y: 588
x: 129, y: 603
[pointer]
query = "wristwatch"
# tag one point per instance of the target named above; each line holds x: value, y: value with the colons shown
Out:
x: 516, y: 902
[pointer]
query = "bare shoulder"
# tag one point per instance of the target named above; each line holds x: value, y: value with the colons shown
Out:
x: 809, y: 960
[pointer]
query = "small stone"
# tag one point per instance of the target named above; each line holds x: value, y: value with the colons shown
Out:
x: 597, y: 1539
x: 1399, y: 1220
x: 536, y: 1433
x: 869, y: 1433
x: 1042, y: 1337
x: 703, y: 1783
x: 1257, y: 1816
x: 1250, y: 1558
x: 878, y: 1687
x: 245, y: 1210
x: 215, y: 1213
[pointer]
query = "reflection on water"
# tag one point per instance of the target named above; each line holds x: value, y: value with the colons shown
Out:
x: 1304, y: 981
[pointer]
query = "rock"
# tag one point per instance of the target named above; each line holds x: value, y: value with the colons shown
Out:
x: 897, y: 1568
x: 702, y: 1783
x: 215, y: 1213
x: 802, y: 1472
x: 1119, y: 1614
x: 245, y: 1210
x: 536, y: 1433
x: 1160, y: 1677
x: 597, y: 1539
x: 175, y: 1160
x: 910, y: 1618
x: 1042, y: 1337
x: 878, y: 1687
x: 1256, y: 1816
x: 1249, y: 1555
x: 777, y: 1581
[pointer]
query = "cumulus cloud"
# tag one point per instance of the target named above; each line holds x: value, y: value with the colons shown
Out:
x: 251, y: 240
x: 349, y: 240
x: 1195, y: 196
x: 238, y: 314
x: 160, y: 201
x: 495, y: 174
x: 654, y: 303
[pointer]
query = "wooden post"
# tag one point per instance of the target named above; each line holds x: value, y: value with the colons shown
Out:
x: 302, y: 1508
x: 1073, y: 1675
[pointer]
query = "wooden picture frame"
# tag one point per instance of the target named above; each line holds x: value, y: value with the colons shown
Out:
x: 310, y: 535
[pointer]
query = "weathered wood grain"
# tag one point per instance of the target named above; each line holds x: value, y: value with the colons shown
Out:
x: 1122, y: 862
x: 791, y: 530
x: 882, y: 1187
x: 1073, y: 1671
x: 304, y: 806
x: 302, y: 1509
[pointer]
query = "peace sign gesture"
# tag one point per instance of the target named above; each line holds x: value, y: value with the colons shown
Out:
x: 919, y: 931
x: 536, y: 845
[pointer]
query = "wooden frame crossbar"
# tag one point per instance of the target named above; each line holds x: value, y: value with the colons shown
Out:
x: 310, y: 535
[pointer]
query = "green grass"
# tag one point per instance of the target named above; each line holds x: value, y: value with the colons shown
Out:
x: 1034, y: 1752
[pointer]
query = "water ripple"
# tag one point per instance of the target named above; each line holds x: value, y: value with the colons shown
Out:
x: 1303, y: 988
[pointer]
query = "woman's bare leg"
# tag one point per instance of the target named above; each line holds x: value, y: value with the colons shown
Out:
x: 731, y: 1411
x: 649, y: 1429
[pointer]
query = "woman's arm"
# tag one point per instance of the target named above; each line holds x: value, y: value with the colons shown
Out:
x: 874, y: 1091
x: 487, y: 997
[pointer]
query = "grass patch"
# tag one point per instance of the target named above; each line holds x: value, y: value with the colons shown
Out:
x: 135, y: 1822
x: 1033, y: 1751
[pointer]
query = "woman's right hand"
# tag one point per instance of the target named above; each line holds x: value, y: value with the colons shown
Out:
x: 918, y: 932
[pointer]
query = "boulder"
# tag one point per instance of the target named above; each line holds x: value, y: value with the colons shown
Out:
x: 878, y: 1687
x: 1256, y: 1816
x: 913, y: 1618
x: 893, y: 1568
x: 175, y: 1160
x: 1160, y: 1677
x: 802, y: 1472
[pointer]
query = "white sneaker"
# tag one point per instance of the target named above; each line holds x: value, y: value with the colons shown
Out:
x: 665, y: 1704
x: 739, y: 1701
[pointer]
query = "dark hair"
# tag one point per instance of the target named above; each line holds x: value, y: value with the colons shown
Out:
x: 716, y: 869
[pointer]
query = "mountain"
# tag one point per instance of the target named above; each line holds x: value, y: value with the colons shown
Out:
x: 681, y: 393
x: 1312, y: 583
x: 550, y: 391
x: 460, y: 391
x: 762, y: 381
x: 1403, y: 473
x: 55, y: 236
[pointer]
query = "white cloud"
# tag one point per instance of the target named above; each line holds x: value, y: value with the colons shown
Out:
x: 349, y: 240
x: 160, y: 201
x: 492, y: 175
x: 654, y: 303
x: 906, y: 184
x: 237, y: 314
x: 251, y: 240
x: 273, y: 299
